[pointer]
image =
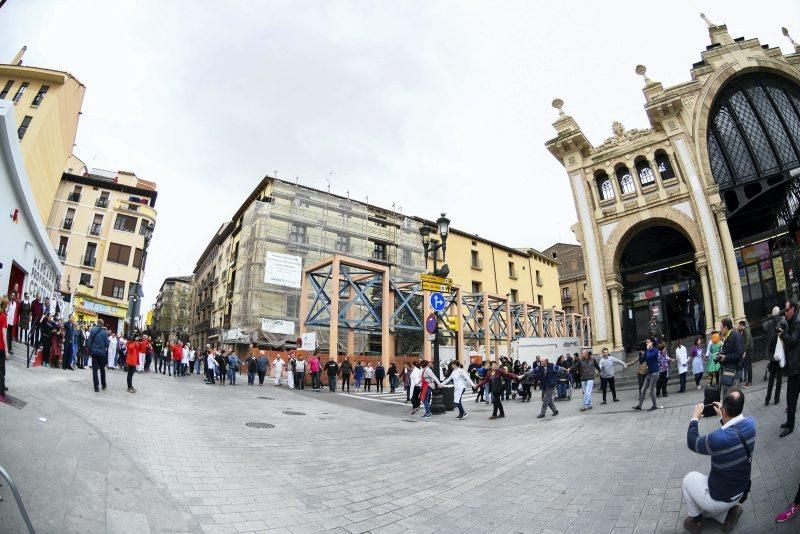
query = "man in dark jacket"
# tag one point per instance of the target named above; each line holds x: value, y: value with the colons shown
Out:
x: 730, y: 354
x: 346, y: 368
x: 547, y: 374
x: 98, y: 348
x: 771, y: 326
x: 332, y: 368
x: 791, y: 343
x: 69, y: 343
x: 251, y: 369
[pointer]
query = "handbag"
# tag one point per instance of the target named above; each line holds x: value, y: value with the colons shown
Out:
x: 749, y: 461
x: 780, y: 353
x: 728, y: 376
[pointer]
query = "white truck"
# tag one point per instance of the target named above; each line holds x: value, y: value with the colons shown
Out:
x: 526, y: 349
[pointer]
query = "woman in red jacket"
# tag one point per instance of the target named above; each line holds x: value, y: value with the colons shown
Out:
x: 135, y: 346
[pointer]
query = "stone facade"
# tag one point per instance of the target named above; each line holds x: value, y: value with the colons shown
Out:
x: 573, y: 287
x: 661, y: 177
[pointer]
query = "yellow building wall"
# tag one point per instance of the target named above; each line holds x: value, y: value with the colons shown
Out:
x: 47, y: 144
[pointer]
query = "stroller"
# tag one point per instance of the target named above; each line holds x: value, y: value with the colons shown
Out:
x: 564, y: 386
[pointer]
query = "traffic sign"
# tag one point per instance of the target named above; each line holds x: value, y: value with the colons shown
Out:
x: 441, y: 288
x: 437, y: 302
x: 452, y: 322
x: 431, y: 323
x: 431, y: 337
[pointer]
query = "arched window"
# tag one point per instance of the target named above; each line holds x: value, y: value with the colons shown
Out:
x: 646, y: 176
x: 664, y: 166
x: 604, y: 186
x: 625, y: 180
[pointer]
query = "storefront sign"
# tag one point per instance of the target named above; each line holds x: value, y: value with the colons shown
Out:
x: 277, y: 326
x: 99, y: 307
x: 42, y: 279
x: 309, y: 340
x: 780, y: 276
x: 283, y: 270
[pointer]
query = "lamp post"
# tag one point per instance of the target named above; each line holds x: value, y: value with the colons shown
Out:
x: 133, y: 303
x: 432, y: 247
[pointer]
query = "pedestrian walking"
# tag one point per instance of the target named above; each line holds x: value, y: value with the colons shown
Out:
x: 416, y: 386
x: 586, y: 366
x: 792, y: 510
x: 607, y: 363
x: 663, y: 369
x: 233, y: 367
x: 277, y: 370
x: 331, y: 369
x: 791, y: 370
x: 460, y: 380
x: 771, y: 326
x: 113, y: 342
x: 300, y: 377
x: 134, y: 347
x: 682, y: 359
x: 369, y: 373
x: 262, y: 364
x: 650, y: 358
x: 427, y: 380
x: 547, y: 374
x: 250, y: 362
x: 314, y: 367
x: 496, y: 378
x: 98, y: 348
x: 358, y: 373
x: 698, y: 361
x: 392, y: 374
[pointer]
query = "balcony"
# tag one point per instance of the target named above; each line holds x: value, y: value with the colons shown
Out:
x: 62, y: 254
x: 94, y: 229
x: 142, y: 209
x: 102, y: 202
x: 67, y: 224
x: 74, y: 197
x: 88, y: 261
x: 379, y: 255
x: 566, y: 297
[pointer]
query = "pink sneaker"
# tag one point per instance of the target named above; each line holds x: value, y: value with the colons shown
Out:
x: 787, y: 514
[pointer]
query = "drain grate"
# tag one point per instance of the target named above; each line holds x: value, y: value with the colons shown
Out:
x: 289, y: 412
x: 15, y: 402
x: 256, y: 424
x: 266, y: 398
x: 410, y: 421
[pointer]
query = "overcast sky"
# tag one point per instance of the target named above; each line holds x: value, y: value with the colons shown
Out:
x: 428, y: 105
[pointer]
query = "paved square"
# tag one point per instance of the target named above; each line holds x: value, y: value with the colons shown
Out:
x: 178, y: 456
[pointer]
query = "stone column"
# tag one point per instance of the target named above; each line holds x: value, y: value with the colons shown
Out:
x: 702, y: 271
x: 615, y: 290
x: 734, y: 284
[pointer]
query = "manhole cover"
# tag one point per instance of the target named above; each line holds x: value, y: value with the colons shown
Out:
x: 254, y: 424
x: 289, y: 412
x: 266, y: 398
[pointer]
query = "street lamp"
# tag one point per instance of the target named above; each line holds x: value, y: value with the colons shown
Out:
x: 432, y: 247
x: 133, y: 306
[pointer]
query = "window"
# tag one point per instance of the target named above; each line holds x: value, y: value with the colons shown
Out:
x: 86, y: 280
x: 538, y: 278
x: 20, y: 92
x: 646, y: 176
x: 379, y: 253
x: 477, y: 287
x: 298, y: 233
x: 119, y: 253
x: 292, y: 305
x: 102, y: 200
x: 97, y: 224
x: 663, y: 165
x: 408, y: 257
x: 62, y: 248
x: 604, y: 187
x: 6, y: 89
x: 75, y: 196
x: 89, y: 259
x: 512, y: 272
x: 565, y: 294
x: 113, y: 288
x: 625, y: 180
x: 540, y: 301
x: 40, y: 95
x: 476, y: 262
x: 555, y: 255
x: 342, y: 243
x: 514, y: 296
x: 125, y: 223
x: 569, y: 310
x: 69, y: 218
x: 137, y: 258
x: 23, y: 127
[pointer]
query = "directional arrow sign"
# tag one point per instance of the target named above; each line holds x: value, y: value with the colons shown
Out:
x: 437, y: 302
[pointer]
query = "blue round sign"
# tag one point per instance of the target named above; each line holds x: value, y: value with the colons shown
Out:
x: 431, y: 323
x: 437, y: 302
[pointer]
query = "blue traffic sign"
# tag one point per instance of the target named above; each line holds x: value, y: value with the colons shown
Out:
x: 437, y: 302
x: 431, y: 323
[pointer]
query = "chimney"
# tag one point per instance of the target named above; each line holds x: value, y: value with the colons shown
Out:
x: 18, y: 58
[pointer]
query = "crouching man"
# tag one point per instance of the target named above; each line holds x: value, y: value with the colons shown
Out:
x: 731, y: 450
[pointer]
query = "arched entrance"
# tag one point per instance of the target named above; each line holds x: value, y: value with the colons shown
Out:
x: 753, y: 147
x: 660, y: 283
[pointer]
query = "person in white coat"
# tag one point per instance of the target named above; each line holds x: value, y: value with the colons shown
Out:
x: 415, y: 383
x: 291, y: 370
x: 277, y: 370
x: 112, y: 351
x: 460, y: 379
x: 682, y: 359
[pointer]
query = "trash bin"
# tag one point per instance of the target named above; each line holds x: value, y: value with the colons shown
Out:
x: 448, y: 398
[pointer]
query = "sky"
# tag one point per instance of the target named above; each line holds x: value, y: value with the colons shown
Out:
x: 425, y: 106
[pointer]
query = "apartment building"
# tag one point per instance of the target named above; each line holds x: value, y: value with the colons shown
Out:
x: 47, y: 105
x: 172, y: 309
x: 573, y: 286
x: 99, y: 225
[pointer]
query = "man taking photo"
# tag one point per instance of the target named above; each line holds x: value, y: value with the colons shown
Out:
x: 731, y: 450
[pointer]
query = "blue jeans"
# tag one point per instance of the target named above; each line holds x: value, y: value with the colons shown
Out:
x: 427, y: 401
x: 232, y: 375
x: 587, y: 392
x: 197, y: 365
x: 176, y: 367
x: 487, y: 395
x: 251, y: 377
x: 562, y: 389
x: 458, y: 394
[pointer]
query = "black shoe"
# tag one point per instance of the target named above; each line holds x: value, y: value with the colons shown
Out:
x: 777, y: 401
x: 603, y: 402
x: 555, y: 414
x: 786, y: 432
x: 637, y: 408
x: 104, y: 387
x: 616, y: 400
x: 97, y: 390
x: 766, y: 402
x: 785, y: 425
x: 652, y: 408
x: 540, y: 416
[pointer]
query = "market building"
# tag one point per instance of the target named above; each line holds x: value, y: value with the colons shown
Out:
x: 99, y: 226
x: 27, y: 261
x: 47, y: 107
x: 694, y: 218
x: 247, y: 281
